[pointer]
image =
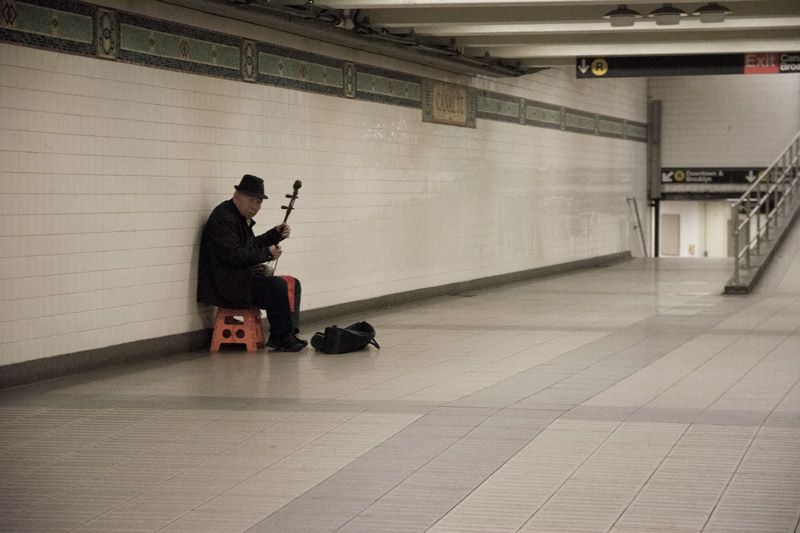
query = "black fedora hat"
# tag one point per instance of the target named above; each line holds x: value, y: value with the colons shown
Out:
x: 251, y: 186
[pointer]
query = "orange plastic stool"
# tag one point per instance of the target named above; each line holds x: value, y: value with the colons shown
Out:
x: 238, y: 326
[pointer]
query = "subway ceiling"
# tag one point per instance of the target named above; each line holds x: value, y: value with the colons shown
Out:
x: 518, y: 37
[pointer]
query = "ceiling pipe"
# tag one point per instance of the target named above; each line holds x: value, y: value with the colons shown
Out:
x: 361, y: 29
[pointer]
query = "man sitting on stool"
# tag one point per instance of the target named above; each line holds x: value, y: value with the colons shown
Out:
x: 231, y: 272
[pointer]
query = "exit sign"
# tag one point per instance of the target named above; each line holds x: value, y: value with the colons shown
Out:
x: 771, y: 63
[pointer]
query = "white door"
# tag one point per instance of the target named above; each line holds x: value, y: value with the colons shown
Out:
x: 670, y: 235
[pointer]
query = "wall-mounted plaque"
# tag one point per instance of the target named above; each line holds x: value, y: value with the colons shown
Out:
x: 447, y: 103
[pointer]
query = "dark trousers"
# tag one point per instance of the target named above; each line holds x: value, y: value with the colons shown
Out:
x: 271, y: 294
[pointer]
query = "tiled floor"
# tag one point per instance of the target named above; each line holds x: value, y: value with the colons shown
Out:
x: 629, y: 399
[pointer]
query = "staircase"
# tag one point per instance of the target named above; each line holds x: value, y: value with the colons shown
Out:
x: 766, y: 211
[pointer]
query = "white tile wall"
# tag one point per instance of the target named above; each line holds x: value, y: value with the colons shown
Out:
x: 108, y: 171
x: 727, y: 121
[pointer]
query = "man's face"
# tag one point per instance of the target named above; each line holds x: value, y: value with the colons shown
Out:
x: 248, y: 206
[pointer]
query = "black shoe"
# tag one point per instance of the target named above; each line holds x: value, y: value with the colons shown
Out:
x: 294, y: 333
x: 295, y: 338
x: 287, y: 343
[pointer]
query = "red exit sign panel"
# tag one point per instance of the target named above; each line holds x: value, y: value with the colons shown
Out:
x: 762, y: 63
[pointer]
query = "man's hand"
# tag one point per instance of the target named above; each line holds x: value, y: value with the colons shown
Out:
x: 284, y: 230
x: 275, y: 251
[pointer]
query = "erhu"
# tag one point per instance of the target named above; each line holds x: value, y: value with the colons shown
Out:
x: 292, y: 197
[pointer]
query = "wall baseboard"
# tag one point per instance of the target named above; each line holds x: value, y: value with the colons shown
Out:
x: 37, y: 370
x: 119, y: 354
x: 360, y: 306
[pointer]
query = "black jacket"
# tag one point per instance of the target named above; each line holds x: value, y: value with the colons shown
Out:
x: 230, y: 257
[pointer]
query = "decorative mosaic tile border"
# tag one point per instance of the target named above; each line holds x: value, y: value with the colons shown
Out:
x: 87, y: 29
x: 59, y: 26
x: 294, y: 69
x: 388, y: 86
x: 505, y: 108
x: 156, y: 43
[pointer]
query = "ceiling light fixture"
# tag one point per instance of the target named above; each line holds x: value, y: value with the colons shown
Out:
x: 622, y: 16
x: 667, y: 15
x: 712, y: 12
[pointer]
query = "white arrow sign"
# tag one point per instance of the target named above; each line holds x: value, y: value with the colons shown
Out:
x: 583, y: 67
x: 751, y: 177
x: 666, y: 176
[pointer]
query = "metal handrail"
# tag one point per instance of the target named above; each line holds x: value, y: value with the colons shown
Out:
x: 638, y: 222
x: 764, y: 202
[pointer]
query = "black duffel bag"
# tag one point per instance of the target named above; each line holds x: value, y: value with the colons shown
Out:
x: 342, y: 340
